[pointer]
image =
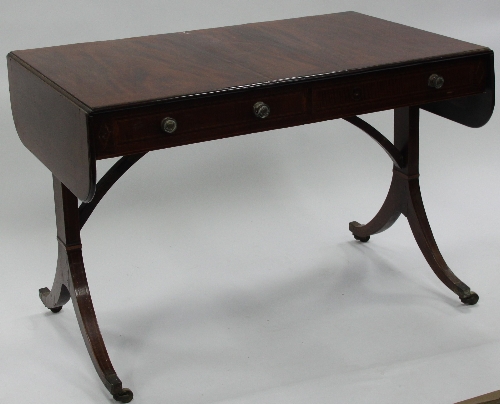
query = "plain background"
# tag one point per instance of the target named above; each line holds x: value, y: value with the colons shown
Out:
x: 224, y: 272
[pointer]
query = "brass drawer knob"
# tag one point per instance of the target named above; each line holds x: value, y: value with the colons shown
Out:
x: 169, y: 125
x: 261, y: 110
x: 436, y: 81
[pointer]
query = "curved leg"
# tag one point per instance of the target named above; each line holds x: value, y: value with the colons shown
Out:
x: 84, y: 309
x: 71, y: 280
x: 386, y: 216
x: 423, y: 235
x: 59, y: 295
x: 404, y: 197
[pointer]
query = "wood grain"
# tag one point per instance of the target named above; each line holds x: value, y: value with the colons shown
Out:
x: 75, y: 103
x: 142, y: 70
x: 54, y: 129
x: 137, y: 129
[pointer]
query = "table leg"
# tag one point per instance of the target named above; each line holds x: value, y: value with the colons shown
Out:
x: 404, y: 197
x: 385, y: 218
x: 55, y: 298
x: 71, y: 281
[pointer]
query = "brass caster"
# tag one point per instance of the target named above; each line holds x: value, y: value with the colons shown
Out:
x: 470, y: 298
x: 362, y: 239
x: 125, y: 396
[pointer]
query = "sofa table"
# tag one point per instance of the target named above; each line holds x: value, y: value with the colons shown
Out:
x: 75, y: 104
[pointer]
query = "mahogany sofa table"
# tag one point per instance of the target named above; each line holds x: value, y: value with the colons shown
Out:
x: 75, y: 104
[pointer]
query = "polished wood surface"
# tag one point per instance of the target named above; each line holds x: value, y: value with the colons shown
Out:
x: 133, y: 130
x: 115, y: 93
x: 71, y: 281
x: 146, y: 69
x: 404, y: 197
x: 54, y: 129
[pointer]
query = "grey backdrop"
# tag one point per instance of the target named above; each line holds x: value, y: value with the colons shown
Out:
x: 232, y: 276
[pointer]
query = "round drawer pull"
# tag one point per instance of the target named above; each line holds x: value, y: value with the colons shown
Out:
x: 169, y: 125
x: 261, y: 110
x: 436, y: 81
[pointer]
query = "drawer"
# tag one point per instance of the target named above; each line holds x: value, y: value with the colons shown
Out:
x: 205, y: 119
x: 366, y: 92
x: 216, y: 116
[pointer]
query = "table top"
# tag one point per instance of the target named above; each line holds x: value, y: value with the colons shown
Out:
x: 108, y: 74
x: 74, y: 104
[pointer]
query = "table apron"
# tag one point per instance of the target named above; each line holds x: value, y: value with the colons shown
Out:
x: 230, y: 113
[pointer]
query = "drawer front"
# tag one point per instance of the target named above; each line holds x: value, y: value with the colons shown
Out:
x: 211, y: 118
x: 409, y: 86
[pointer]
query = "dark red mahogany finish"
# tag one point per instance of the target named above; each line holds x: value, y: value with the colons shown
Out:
x: 112, y: 95
x: 75, y: 104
